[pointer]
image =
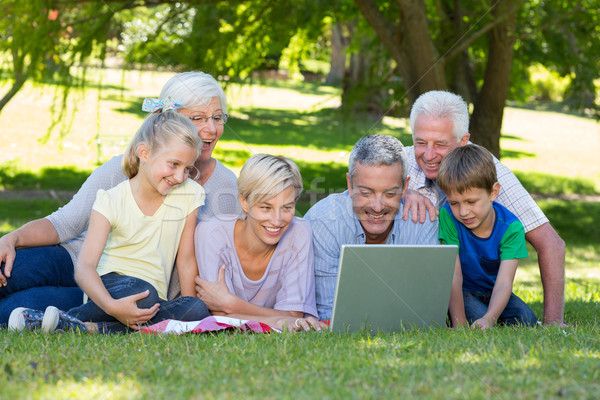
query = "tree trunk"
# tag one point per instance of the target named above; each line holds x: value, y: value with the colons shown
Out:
x: 486, y: 121
x: 426, y: 71
x: 362, y: 86
x: 338, y: 57
x: 410, y: 45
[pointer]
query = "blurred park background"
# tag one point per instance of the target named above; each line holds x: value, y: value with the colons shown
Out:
x: 307, y: 79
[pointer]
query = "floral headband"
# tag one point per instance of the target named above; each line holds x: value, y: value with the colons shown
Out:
x: 153, y: 105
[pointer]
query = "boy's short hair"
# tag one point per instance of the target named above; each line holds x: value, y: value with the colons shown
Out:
x: 465, y: 168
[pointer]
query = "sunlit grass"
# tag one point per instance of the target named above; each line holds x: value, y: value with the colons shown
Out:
x: 300, y: 121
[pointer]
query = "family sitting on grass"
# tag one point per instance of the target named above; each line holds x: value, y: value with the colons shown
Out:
x: 167, y: 232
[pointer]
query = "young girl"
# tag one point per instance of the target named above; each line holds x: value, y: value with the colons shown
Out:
x: 137, y: 230
x: 260, y: 267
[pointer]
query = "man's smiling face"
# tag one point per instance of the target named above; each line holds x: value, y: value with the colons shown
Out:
x: 376, y: 196
x: 433, y: 139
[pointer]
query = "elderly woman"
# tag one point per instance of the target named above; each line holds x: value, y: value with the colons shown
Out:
x: 37, y: 259
x: 260, y: 267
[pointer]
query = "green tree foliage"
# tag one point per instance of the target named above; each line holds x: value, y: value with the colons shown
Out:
x: 398, y: 48
x: 227, y: 38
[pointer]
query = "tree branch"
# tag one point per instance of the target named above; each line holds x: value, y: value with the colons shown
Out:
x: 467, y: 42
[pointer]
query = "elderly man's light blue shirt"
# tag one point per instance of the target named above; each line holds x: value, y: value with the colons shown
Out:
x: 334, y: 223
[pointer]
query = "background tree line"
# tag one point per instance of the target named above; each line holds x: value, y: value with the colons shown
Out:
x: 383, y: 53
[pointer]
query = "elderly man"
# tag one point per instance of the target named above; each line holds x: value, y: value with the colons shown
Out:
x: 370, y: 212
x: 439, y: 122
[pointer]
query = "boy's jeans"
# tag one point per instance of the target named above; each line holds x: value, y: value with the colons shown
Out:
x: 515, y: 312
x: 119, y: 286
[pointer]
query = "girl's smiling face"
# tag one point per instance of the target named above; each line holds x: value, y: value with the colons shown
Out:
x: 168, y: 166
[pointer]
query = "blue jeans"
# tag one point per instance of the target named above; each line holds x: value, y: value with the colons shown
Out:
x: 119, y: 286
x: 41, y: 276
x: 515, y: 312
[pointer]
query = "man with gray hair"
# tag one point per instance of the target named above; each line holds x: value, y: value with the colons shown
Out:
x: 439, y: 122
x: 369, y: 212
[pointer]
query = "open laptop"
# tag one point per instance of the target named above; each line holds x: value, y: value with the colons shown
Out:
x: 388, y: 288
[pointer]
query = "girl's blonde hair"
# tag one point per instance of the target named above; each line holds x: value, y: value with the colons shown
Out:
x: 157, y: 130
x: 264, y: 176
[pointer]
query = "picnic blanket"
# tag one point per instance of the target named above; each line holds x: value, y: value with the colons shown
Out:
x: 208, y: 324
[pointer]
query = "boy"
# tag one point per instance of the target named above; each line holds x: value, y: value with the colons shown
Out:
x: 490, y: 238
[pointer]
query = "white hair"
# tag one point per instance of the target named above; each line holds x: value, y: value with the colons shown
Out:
x: 193, y: 88
x: 445, y: 105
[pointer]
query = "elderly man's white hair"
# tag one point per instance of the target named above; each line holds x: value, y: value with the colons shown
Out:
x: 444, y: 105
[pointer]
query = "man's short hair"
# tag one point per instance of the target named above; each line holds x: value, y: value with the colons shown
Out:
x: 465, y: 168
x: 444, y: 105
x: 376, y: 150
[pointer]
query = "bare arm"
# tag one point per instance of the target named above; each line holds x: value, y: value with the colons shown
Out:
x: 220, y: 301
x: 39, y: 232
x: 551, y: 258
x: 186, y: 259
x: 457, y: 304
x: 500, y: 294
x: 86, y: 275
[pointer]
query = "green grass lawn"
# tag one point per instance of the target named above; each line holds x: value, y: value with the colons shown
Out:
x: 300, y: 121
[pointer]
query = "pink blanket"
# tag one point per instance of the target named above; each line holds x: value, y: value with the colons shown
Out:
x: 208, y: 324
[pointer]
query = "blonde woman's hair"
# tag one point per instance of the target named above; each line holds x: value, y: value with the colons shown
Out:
x: 157, y: 130
x: 264, y: 176
x: 467, y: 167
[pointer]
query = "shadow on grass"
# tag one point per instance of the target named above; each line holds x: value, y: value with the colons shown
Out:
x: 516, y: 154
x: 16, y: 212
x: 133, y: 105
x: 576, y: 222
x: 537, y: 182
x: 311, y: 88
x: 581, y: 311
x: 319, y: 180
x: 57, y: 178
x: 325, y: 129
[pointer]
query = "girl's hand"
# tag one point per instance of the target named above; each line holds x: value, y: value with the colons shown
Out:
x: 7, y: 256
x: 215, y: 295
x: 292, y: 324
x: 129, y: 314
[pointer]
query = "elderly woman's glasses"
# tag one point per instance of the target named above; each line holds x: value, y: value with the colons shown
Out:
x: 218, y: 119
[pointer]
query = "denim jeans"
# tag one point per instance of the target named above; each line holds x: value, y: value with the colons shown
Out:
x: 41, y: 276
x: 119, y: 286
x: 515, y: 312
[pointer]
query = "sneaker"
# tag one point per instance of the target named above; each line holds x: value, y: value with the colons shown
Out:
x: 25, y: 318
x: 55, y: 320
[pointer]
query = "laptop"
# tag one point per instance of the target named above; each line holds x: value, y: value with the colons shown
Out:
x: 388, y: 288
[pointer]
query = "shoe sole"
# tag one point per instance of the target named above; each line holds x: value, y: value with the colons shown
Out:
x: 50, y: 320
x: 16, y: 321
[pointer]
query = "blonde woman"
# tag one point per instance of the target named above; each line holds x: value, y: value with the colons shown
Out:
x: 261, y: 266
